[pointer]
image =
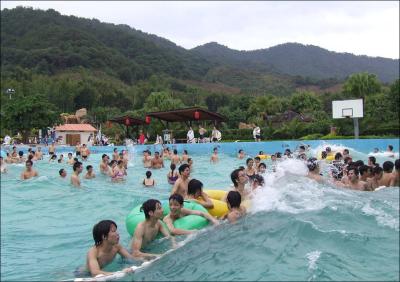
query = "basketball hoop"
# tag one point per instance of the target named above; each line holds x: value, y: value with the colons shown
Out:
x: 347, y: 116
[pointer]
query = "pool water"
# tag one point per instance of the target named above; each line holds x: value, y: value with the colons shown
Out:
x: 297, y: 229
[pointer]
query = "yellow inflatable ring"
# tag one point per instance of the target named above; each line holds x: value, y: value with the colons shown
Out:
x: 330, y: 157
x: 263, y: 157
x: 216, y: 194
x: 220, y: 206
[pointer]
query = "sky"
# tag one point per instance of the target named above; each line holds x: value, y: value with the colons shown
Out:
x: 361, y: 27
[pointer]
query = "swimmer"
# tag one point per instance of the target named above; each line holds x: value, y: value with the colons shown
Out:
x: 172, y: 175
x: 354, y: 182
x: 241, y: 154
x: 118, y: 172
x: 148, y: 181
x: 115, y: 155
x: 250, y: 170
x: 89, y: 174
x: 39, y: 154
x: 146, y: 159
x: 196, y: 193
x: 190, y: 163
x: 61, y: 159
x: 313, y: 170
x: 258, y: 182
x: 106, y: 247
x: 157, y: 162
x: 3, y: 166
x: 395, y: 179
x: 177, y: 211
x: 70, y: 160
x: 77, y: 149
x: 365, y: 172
x: 374, y: 181
x: 29, y: 172
x: 20, y: 158
x: 371, y: 161
x: 239, y: 179
x: 77, y: 168
x: 104, y: 168
x: 53, y: 158
x: 185, y: 156
x: 257, y: 161
x: 9, y: 159
x: 14, y: 153
x: 387, y: 174
x: 262, y: 168
x: 147, y: 230
x: 85, y: 152
x: 233, y: 200
x: 181, y: 185
x: 390, y: 152
x: 63, y: 173
x: 175, y: 158
x: 214, y: 157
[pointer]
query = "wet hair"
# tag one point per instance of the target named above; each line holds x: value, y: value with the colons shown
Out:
x: 112, y: 162
x: 156, y: 153
x: 76, y: 160
x: 194, y: 186
x: 176, y: 197
x: 347, y: 160
x: 364, y: 169
x: 148, y: 206
x: 61, y: 171
x: 390, y: 147
x: 29, y: 150
x: 20, y: 153
x: 185, y: 152
x: 76, y: 165
x: 324, y: 154
x: 69, y: 154
x: 259, y: 179
x: 215, y: 149
x: 119, y: 162
x: 148, y: 174
x: 30, y: 157
x: 278, y: 155
x: 101, y: 230
x: 338, y: 156
x: 29, y: 162
x: 388, y: 166
x: 182, y: 168
x: 376, y: 170
x: 372, y: 159
x: 172, y: 167
x: 53, y: 157
x: 312, y: 164
x: 346, y: 151
x: 249, y: 160
x: 359, y: 163
x: 89, y: 167
x: 261, y: 153
x: 175, y: 151
x: 234, y: 199
x: 262, y: 164
x: 241, y: 168
x: 189, y: 160
x: 302, y: 147
x: 397, y: 164
x: 328, y: 149
x: 104, y: 155
x: 240, y: 151
x: 257, y: 158
x: 353, y: 168
x: 235, y: 176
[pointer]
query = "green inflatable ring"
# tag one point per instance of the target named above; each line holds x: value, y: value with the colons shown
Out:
x: 189, y: 222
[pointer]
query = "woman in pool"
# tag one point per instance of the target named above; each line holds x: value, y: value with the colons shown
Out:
x: 250, y: 170
x: 148, y: 181
x: 172, y: 175
x: 118, y: 172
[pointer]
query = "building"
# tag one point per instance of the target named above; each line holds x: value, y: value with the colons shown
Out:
x: 69, y: 134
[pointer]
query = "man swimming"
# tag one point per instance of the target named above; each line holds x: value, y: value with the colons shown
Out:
x: 29, y: 172
x: 77, y: 168
x: 196, y: 193
x: 147, y: 230
x: 177, y: 211
x: 157, y: 162
x: 181, y: 185
x: 233, y: 200
x: 106, y: 247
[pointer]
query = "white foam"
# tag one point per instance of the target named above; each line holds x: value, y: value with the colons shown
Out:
x: 381, y: 217
x: 312, y: 259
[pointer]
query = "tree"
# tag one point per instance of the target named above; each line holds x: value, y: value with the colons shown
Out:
x: 305, y: 102
x: 360, y: 85
x: 28, y: 112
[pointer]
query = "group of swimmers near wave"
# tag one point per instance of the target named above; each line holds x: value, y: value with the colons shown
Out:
x: 333, y: 168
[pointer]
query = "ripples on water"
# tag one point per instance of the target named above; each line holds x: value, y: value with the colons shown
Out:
x: 296, y: 230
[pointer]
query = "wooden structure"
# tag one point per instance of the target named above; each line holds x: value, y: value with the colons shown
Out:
x: 72, y: 133
x: 128, y: 121
x: 186, y: 115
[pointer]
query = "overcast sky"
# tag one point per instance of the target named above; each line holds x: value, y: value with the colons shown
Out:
x: 362, y: 28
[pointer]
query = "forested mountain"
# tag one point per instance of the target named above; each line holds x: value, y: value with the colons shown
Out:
x: 303, y: 60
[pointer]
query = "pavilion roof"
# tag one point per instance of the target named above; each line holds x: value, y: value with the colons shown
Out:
x: 187, y: 114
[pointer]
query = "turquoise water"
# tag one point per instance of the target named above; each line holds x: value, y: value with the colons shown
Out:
x: 296, y: 230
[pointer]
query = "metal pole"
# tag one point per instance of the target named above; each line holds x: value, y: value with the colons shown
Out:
x: 356, y: 129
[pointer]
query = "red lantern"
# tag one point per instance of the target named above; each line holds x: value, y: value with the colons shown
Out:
x: 196, y: 115
x: 127, y: 121
x: 148, y: 119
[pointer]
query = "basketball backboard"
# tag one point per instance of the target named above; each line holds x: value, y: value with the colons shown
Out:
x: 348, y: 109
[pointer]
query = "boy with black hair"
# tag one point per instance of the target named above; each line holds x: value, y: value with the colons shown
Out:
x: 233, y: 200
x: 106, y: 246
x: 89, y: 174
x: 77, y: 168
x: 178, y: 211
x: 147, y: 230
x: 62, y: 173
x: 181, y: 185
x: 196, y: 193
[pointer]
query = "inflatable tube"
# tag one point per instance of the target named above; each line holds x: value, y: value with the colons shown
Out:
x: 330, y: 156
x: 216, y: 194
x: 220, y: 207
x: 263, y: 157
x: 189, y: 222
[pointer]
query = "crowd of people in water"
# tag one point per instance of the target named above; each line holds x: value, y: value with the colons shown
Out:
x: 334, y: 168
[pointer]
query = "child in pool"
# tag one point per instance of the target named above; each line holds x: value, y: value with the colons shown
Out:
x: 233, y: 200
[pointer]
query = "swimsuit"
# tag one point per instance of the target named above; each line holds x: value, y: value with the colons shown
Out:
x: 173, y: 179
